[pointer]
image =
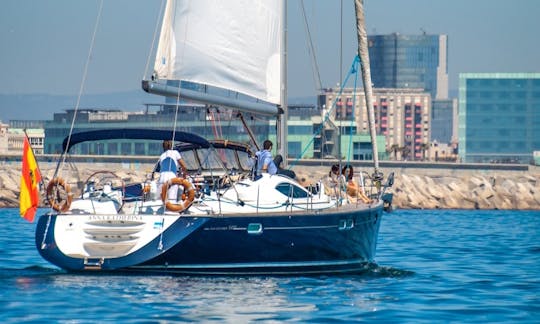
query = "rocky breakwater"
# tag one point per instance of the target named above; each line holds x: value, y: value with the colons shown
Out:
x: 493, y: 191
x: 416, y: 188
x: 413, y: 189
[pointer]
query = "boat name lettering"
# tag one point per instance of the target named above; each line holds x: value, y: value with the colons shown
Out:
x: 222, y: 228
x: 115, y: 217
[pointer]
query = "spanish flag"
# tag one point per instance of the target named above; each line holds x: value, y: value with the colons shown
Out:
x: 30, y: 179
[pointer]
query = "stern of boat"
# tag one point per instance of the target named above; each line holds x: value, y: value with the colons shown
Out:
x: 108, y: 242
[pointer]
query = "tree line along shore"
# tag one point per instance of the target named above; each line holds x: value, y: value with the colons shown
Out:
x: 414, y: 188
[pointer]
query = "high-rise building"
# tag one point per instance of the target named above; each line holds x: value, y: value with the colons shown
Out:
x: 402, y: 117
x: 410, y: 61
x: 499, y: 117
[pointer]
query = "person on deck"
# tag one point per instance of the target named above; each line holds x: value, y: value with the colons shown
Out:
x: 169, y: 161
x: 265, y: 163
x: 331, y: 183
x: 354, y: 192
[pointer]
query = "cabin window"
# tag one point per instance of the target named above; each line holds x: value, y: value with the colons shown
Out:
x: 228, y: 158
x: 245, y: 161
x: 189, y: 158
x: 291, y: 190
x: 209, y: 159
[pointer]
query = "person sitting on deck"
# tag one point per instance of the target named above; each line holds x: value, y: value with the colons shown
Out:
x: 354, y: 192
x: 265, y: 163
x: 331, y: 183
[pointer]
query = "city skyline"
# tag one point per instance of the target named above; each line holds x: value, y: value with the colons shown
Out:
x: 47, y: 42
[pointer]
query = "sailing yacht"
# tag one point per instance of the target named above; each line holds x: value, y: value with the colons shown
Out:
x: 226, y: 219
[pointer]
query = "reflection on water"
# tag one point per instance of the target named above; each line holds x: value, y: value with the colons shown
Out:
x: 232, y: 299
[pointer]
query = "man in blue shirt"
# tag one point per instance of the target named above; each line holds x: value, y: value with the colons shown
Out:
x: 265, y: 162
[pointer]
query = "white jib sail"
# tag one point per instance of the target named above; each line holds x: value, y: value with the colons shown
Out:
x: 234, y: 44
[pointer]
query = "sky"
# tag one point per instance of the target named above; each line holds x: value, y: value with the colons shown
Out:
x: 45, y: 44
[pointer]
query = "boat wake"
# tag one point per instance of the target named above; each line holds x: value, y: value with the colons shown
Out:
x: 373, y: 270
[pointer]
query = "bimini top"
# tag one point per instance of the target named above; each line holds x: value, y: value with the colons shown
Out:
x: 216, y: 143
x: 134, y: 133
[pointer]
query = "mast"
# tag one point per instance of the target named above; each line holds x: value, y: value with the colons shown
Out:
x: 366, y: 78
x: 282, y: 118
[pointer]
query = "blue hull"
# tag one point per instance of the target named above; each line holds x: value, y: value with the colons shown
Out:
x: 325, y: 243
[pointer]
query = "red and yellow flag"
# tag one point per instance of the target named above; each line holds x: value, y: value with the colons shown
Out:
x: 30, y: 179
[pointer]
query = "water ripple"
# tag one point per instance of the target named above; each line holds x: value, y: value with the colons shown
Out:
x: 432, y: 266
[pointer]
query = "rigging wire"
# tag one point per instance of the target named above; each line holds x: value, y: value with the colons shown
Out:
x: 219, y: 130
x: 352, y: 70
x: 341, y: 42
x: 177, y: 106
x: 213, y: 118
x: 352, y: 115
x: 179, y: 84
x: 160, y: 14
x: 81, y: 88
x: 311, y: 48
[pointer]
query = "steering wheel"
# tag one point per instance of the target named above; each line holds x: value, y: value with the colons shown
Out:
x: 102, y: 183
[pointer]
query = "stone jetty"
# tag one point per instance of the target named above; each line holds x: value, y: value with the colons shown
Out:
x: 417, y: 188
x: 414, y: 188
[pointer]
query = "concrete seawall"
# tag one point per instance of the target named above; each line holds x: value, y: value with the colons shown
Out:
x: 414, y: 187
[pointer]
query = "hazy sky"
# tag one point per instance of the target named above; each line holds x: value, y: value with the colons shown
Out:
x: 45, y: 43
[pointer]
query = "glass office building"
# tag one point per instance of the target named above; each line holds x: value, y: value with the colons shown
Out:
x: 499, y: 117
x: 443, y: 119
x: 410, y: 62
x: 201, y: 121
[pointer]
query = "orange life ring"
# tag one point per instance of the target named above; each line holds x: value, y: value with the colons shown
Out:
x: 55, y: 201
x: 186, y: 199
x: 146, y: 189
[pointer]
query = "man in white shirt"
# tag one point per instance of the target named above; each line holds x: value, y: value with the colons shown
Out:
x: 169, y: 161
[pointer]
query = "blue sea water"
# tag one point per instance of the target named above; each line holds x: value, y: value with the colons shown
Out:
x: 433, y: 266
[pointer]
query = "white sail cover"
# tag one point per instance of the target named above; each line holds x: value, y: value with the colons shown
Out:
x: 233, y: 44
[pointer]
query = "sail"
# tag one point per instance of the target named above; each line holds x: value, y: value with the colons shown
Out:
x: 234, y: 45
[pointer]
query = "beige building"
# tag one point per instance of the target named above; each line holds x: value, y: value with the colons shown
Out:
x: 3, y: 138
x: 403, y: 116
x: 15, y: 139
x: 445, y: 152
x: 12, y: 143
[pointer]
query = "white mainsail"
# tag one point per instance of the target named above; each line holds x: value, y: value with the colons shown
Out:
x: 204, y: 41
